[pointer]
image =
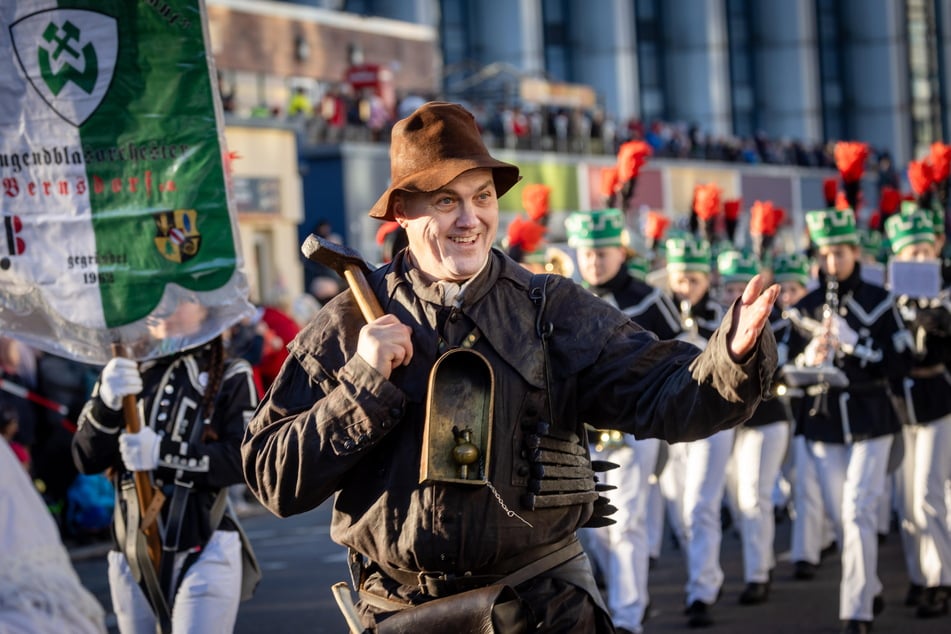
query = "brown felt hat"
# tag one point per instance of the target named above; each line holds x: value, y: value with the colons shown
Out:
x: 433, y: 146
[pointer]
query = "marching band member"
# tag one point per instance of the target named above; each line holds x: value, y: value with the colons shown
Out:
x: 600, y: 240
x: 704, y: 461
x: 813, y: 534
x: 759, y: 448
x: 196, y: 404
x: 926, y: 468
x: 849, y: 428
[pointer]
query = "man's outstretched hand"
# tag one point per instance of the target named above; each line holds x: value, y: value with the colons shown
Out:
x: 750, y: 316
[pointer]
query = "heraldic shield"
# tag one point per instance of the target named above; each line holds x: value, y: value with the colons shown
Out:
x: 457, y: 436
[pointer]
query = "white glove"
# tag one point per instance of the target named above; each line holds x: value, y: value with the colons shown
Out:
x: 119, y: 378
x: 140, y: 452
x: 843, y: 332
x: 813, y: 356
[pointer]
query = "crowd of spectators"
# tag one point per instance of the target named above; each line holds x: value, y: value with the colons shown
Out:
x: 342, y: 115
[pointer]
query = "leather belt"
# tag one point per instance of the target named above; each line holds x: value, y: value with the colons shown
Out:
x: 440, y: 584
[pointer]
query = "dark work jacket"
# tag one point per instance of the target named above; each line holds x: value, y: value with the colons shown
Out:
x: 772, y: 409
x: 647, y: 306
x: 171, y: 387
x: 926, y: 391
x: 863, y: 409
x: 333, y: 424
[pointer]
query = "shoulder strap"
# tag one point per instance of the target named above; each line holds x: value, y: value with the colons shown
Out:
x: 536, y: 292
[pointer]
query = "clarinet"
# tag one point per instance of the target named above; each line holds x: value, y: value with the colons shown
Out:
x: 829, y: 310
x: 688, y: 323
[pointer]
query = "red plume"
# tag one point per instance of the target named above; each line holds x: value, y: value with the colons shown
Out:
x: 525, y: 234
x: 761, y: 217
x: 631, y: 157
x: 850, y: 158
x: 920, y: 176
x: 830, y: 188
x: 875, y: 221
x: 385, y: 230
x: 731, y: 208
x: 841, y: 202
x: 535, y: 200
x: 609, y: 181
x: 779, y: 215
x: 940, y: 161
x: 888, y: 200
x: 655, y: 225
x: 707, y: 201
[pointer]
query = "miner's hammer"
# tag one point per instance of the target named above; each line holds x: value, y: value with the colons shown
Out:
x: 349, y: 265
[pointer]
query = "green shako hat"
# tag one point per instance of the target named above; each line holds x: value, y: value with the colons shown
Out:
x: 905, y: 230
x: 734, y: 265
x: 791, y: 267
x: 934, y: 212
x: 638, y: 267
x: 687, y: 254
x: 596, y: 228
x: 831, y: 226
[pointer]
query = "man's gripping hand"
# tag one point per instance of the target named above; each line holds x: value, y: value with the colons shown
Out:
x: 385, y: 343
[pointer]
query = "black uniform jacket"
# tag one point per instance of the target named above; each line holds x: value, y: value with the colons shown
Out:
x: 170, y: 401
x: 647, y: 306
x: 864, y: 409
x: 926, y: 390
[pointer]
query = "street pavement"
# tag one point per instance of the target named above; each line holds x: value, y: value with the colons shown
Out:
x: 300, y: 563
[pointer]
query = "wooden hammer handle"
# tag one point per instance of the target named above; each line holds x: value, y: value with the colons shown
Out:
x: 366, y: 300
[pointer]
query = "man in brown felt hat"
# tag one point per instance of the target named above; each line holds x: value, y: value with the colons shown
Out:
x: 349, y: 414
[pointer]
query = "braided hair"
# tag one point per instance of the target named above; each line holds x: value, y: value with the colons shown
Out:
x: 216, y: 371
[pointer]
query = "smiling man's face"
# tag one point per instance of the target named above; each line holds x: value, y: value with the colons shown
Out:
x: 451, y: 230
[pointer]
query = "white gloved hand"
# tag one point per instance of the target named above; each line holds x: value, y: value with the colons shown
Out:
x: 843, y: 332
x: 814, y: 354
x: 119, y: 378
x: 140, y: 452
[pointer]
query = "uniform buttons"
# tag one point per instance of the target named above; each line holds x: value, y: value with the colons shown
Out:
x: 363, y: 438
x: 348, y: 444
x: 454, y: 315
x: 386, y: 424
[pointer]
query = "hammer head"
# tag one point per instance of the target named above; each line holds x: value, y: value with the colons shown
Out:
x: 333, y: 255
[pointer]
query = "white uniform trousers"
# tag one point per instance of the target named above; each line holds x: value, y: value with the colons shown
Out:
x: 758, y: 455
x: 925, y: 533
x: 812, y: 530
x: 624, y: 544
x: 655, y: 518
x: 852, y: 478
x: 671, y: 484
x: 207, y: 599
x: 704, y: 484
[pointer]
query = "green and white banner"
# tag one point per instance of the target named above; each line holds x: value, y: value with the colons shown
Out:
x: 115, y: 220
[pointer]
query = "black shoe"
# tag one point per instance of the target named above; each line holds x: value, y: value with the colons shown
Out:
x: 754, y: 593
x: 857, y: 627
x: 698, y: 615
x: 804, y: 570
x: 934, y: 603
x: 878, y: 604
x: 914, y: 594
